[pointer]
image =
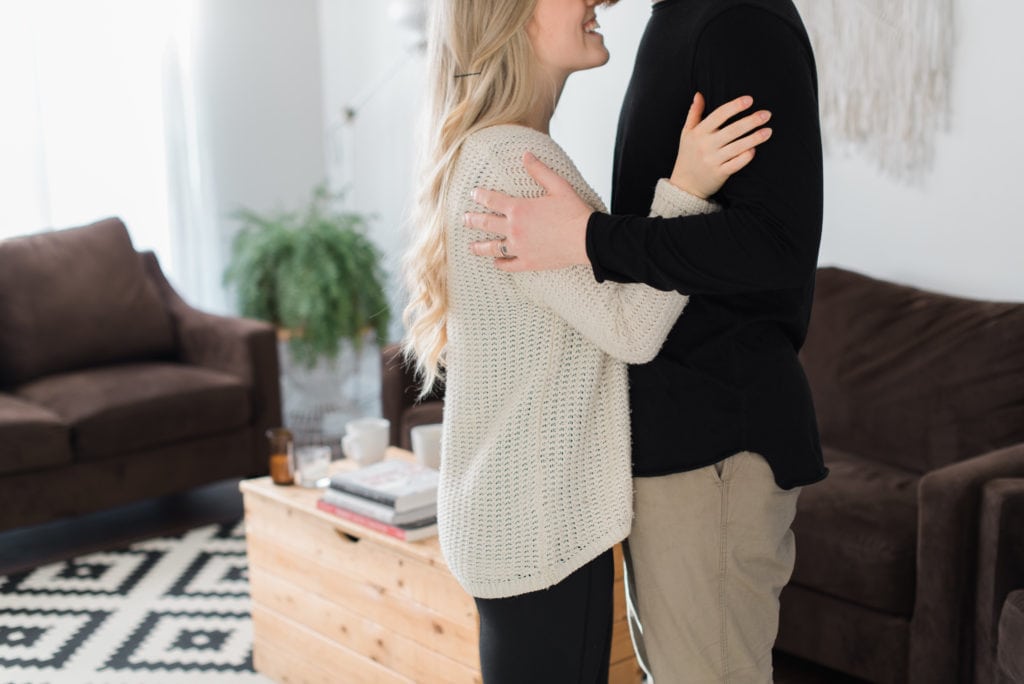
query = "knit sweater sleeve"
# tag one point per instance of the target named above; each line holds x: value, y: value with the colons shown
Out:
x: 629, y: 322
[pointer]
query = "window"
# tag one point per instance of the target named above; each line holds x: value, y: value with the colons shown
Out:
x: 82, y: 110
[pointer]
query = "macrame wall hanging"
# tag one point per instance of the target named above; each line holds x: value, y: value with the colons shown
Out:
x: 884, y: 72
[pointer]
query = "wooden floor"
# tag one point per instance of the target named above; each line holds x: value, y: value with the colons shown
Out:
x: 28, y: 547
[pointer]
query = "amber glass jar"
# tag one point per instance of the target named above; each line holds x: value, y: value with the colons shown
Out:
x: 282, y: 460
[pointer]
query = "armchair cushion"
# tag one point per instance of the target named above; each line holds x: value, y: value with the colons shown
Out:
x: 31, y: 438
x: 1011, y: 638
x: 77, y: 298
x: 856, y: 534
x: 129, y: 407
x: 399, y: 393
x: 421, y: 414
x: 915, y: 379
x: 1000, y: 568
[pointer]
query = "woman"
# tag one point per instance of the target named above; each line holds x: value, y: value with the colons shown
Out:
x: 535, y: 478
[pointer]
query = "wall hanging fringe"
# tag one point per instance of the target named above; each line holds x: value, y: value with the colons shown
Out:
x: 884, y: 70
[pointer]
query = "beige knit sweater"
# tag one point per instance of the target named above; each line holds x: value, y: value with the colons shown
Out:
x: 535, y: 472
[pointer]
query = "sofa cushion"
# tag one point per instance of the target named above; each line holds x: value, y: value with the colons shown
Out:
x: 77, y: 298
x: 114, y: 410
x: 31, y: 437
x: 1010, y: 654
x: 856, y: 534
x: 916, y: 379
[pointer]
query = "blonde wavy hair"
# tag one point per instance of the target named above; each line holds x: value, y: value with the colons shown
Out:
x: 489, y: 44
x: 465, y: 37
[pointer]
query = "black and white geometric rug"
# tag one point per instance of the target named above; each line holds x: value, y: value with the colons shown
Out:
x: 168, y: 609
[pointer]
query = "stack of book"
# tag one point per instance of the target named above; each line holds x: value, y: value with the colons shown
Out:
x: 394, y: 497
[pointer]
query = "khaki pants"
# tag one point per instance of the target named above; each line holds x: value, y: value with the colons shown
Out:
x: 709, y: 552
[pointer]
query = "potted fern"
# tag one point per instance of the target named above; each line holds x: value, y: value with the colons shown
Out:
x: 314, y: 274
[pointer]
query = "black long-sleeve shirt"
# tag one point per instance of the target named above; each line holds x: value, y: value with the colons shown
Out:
x: 728, y: 378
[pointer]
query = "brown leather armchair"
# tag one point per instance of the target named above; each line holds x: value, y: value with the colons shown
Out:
x: 112, y: 388
x: 920, y: 401
x: 399, y: 397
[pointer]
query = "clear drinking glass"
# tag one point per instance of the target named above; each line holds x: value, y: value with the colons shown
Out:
x: 312, y: 465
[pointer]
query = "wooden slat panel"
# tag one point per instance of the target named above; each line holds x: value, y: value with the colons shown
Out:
x: 450, y: 639
x: 352, y: 668
x: 617, y: 555
x: 363, y: 634
x: 363, y: 560
x: 286, y: 667
x: 625, y: 672
x: 622, y: 644
x: 619, y: 601
x: 433, y: 630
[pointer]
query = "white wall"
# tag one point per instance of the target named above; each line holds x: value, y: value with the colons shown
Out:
x: 588, y: 113
x: 369, y: 61
x: 959, y: 232
x: 259, y: 112
x: 962, y: 230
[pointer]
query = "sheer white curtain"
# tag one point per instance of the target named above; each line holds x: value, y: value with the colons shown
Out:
x: 97, y: 119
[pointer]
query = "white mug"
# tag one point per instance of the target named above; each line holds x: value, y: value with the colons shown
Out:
x: 366, y: 440
x: 426, y: 444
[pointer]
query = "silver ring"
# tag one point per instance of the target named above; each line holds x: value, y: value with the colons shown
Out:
x: 503, y: 248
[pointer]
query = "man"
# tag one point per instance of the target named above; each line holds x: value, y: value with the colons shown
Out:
x: 724, y: 432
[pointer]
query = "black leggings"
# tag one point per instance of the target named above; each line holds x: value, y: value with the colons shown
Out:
x: 562, y: 634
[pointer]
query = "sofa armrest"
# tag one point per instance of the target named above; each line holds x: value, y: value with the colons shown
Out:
x: 1000, y: 566
x: 242, y: 347
x: 948, y: 507
x: 399, y: 388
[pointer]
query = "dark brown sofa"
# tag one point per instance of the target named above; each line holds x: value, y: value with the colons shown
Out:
x: 399, y: 397
x: 920, y: 401
x: 113, y: 389
x: 999, y: 615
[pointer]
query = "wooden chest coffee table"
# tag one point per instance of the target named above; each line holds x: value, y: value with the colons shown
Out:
x: 335, y: 603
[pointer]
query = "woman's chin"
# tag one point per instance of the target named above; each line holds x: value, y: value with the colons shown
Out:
x: 601, y: 58
x: 597, y: 54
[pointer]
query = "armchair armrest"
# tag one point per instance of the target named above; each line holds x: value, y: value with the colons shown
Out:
x: 1011, y: 635
x: 1000, y: 566
x: 399, y: 388
x: 948, y: 505
x: 242, y: 347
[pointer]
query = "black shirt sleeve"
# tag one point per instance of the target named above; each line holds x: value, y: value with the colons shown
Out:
x: 768, y: 234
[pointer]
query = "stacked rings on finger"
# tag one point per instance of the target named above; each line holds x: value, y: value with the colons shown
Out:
x: 503, y: 248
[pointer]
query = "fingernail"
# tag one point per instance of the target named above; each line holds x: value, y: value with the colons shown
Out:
x: 695, y: 97
x: 765, y: 116
x: 529, y: 156
x: 475, y: 195
x: 465, y: 219
x: 747, y: 101
x: 767, y: 133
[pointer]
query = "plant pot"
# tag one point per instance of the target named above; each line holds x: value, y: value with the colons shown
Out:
x: 318, y: 401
